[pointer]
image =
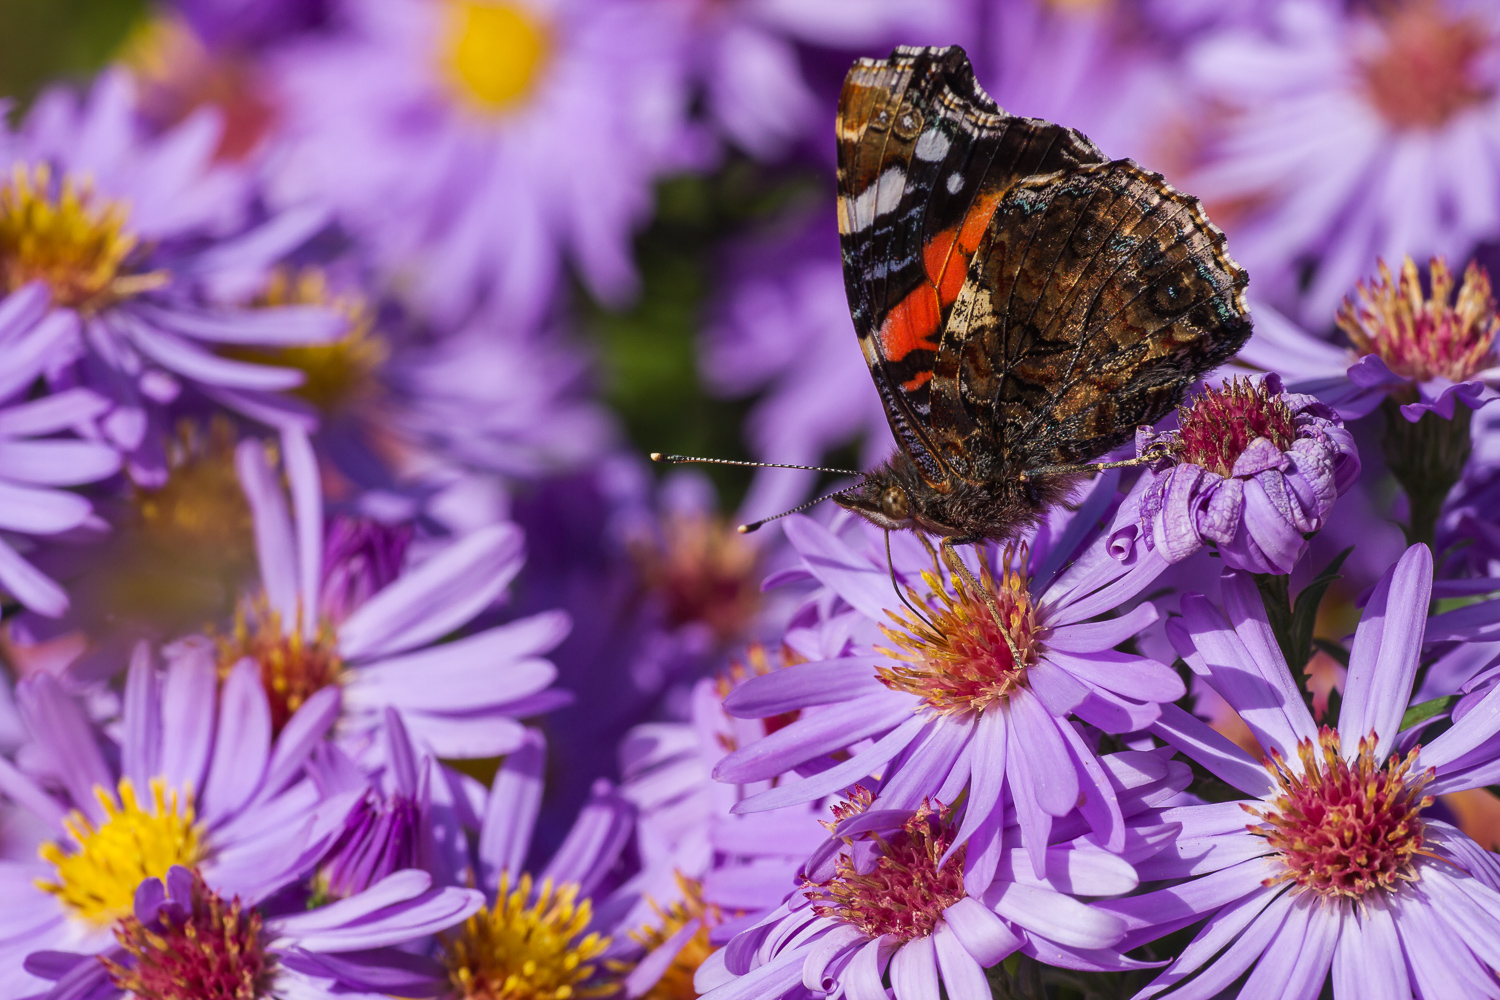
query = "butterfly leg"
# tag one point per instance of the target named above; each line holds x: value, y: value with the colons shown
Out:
x: 951, y: 556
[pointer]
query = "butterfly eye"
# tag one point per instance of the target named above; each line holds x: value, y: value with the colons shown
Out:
x: 893, y: 504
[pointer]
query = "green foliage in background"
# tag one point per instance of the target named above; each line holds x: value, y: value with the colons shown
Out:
x: 41, y: 40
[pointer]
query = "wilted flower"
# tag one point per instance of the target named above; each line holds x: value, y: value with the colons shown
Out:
x: 1334, y: 864
x: 1354, y: 131
x: 1251, y: 469
x: 469, y: 146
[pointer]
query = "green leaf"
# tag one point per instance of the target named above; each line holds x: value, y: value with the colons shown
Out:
x: 1275, y: 596
x: 1427, y: 710
x: 1305, y: 616
x: 1333, y: 649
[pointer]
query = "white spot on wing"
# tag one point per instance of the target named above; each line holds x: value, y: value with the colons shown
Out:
x: 955, y: 181
x: 933, y: 145
x: 877, y: 199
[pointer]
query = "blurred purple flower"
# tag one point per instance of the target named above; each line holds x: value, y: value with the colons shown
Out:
x: 144, y: 240
x: 1343, y: 870
x: 469, y: 145
x: 1251, y: 469
x: 34, y: 461
x: 1353, y: 131
x: 184, y: 939
x: 746, y: 53
x: 459, y: 698
x: 241, y: 24
x: 947, y: 705
x: 193, y: 776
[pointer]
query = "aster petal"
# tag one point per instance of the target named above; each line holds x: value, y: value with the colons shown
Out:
x: 983, y: 935
x: 819, y: 682
x: 835, y: 778
x: 649, y: 970
x: 380, y: 971
x: 1213, y: 750
x: 1098, y: 803
x: 302, y: 732
x: 270, y: 326
x: 1055, y: 916
x: 862, y: 979
x: 140, y: 747
x: 187, y: 736
x: 274, y: 543
x: 838, y: 567
x: 773, y: 979
x: 594, y: 843
x: 451, y: 677
x: 815, y: 735
x: 510, y: 815
x: 962, y: 976
x: 1053, y: 778
x: 438, y: 596
x: 1130, y: 676
x: 837, y: 943
x: 27, y: 794
x: 35, y: 511
x: 27, y: 356
x: 58, y: 462
x: 1093, y: 637
x: 59, y: 727
x: 307, y: 508
x: 1469, y: 910
x: 1151, y: 915
x: 1437, y: 968
x: 1467, y: 734
x: 1387, y: 648
x: 1246, y: 930
x: 396, y: 888
x: 988, y: 775
x: 182, y: 357
x: 492, y: 733
x: 433, y: 911
x: 926, y: 766
x: 243, y: 746
x: 1295, y: 963
x: 914, y: 973
x: 30, y: 585
x: 1367, y: 962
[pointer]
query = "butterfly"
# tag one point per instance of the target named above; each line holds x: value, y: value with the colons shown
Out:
x: 1023, y: 302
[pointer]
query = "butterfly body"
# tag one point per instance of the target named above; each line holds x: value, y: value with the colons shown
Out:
x: 1023, y: 302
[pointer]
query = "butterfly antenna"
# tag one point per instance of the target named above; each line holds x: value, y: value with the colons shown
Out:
x: 745, y: 529
x: 891, y: 565
x: 657, y: 456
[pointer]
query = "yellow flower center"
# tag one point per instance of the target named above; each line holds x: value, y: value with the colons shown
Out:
x: 494, y: 52
x: 64, y: 235
x: 958, y: 658
x: 98, y: 876
x: 527, y: 949
x: 340, y: 374
x: 677, y: 982
x: 292, y: 669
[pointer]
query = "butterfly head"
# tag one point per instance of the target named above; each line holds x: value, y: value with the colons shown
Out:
x: 881, y: 500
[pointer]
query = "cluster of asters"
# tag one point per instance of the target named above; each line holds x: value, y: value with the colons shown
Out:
x: 350, y: 651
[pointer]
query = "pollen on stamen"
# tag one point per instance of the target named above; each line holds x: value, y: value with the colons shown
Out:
x: 97, y: 874
x: 1424, y: 335
x: 904, y: 891
x: 1340, y: 828
x: 58, y: 231
x: 676, y: 983
x: 1216, y: 427
x: 527, y: 946
x: 292, y: 667
x: 204, y: 948
x: 494, y: 53
x: 959, y: 660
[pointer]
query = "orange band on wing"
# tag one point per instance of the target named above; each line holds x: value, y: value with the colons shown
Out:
x: 911, y: 325
x: 917, y: 381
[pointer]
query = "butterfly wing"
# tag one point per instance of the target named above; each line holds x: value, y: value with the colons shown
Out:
x: 1097, y: 296
x: 924, y: 159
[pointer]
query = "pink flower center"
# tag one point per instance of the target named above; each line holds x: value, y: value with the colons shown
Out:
x: 1344, y: 828
x: 702, y: 571
x: 214, y: 951
x: 958, y: 659
x: 1423, y: 336
x: 904, y: 892
x: 1424, y: 74
x: 1217, y: 426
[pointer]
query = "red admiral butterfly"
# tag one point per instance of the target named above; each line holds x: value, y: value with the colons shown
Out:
x: 1022, y: 301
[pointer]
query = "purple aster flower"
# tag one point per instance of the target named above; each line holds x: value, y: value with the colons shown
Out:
x: 746, y: 53
x: 950, y: 699
x: 184, y: 940
x: 35, y: 459
x: 1333, y: 866
x: 1251, y: 470
x: 468, y: 145
x: 553, y: 926
x: 143, y: 239
x: 192, y: 776
x: 238, y: 24
x: 459, y: 698
x: 1353, y: 131
x: 893, y: 891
